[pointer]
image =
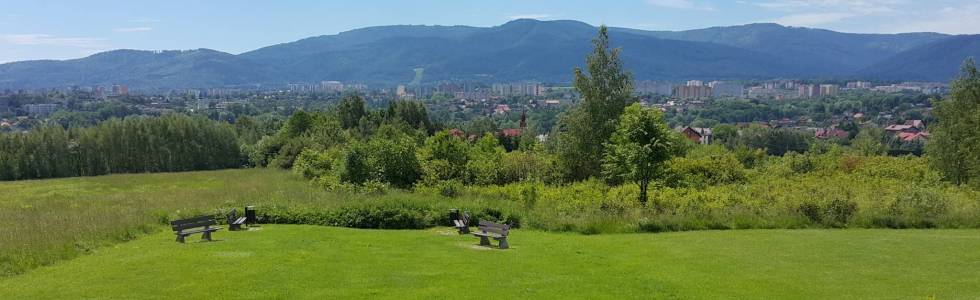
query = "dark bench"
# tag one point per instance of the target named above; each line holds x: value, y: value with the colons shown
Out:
x: 202, y: 225
x: 234, y: 221
x: 461, y: 221
x: 490, y: 230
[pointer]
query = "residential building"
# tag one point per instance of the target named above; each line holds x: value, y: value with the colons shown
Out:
x: 829, y: 90
x: 120, y: 90
x: 692, y: 92
x: 913, y: 136
x: 829, y: 133
x: 910, y: 126
x: 501, y: 109
x: 859, y: 85
x: 533, y: 89
x: 332, y: 86
x: 808, y: 91
x: 726, y: 89
x: 698, y: 135
x: 40, y: 109
x: 655, y: 87
x: 400, y: 91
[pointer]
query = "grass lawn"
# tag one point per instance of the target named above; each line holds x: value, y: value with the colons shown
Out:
x: 312, y: 262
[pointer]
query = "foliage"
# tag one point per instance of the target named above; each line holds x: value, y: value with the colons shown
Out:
x: 605, y: 90
x: 869, y: 142
x: 639, y: 147
x: 132, y: 145
x: 350, y: 111
x: 955, y: 145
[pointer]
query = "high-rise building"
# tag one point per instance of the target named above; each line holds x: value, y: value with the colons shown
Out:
x: 828, y: 89
x: 332, y: 86
x: 692, y: 92
x: 859, y: 85
x: 655, y: 87
x: 400, y: 91
x: 40, y: 109
x: 533, y: 89
x: 120, y: 90
x: 726, y: 89
x: 695, y: 83
x: 808, y: 91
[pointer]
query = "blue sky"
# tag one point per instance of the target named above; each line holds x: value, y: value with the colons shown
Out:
x: 61, y: 29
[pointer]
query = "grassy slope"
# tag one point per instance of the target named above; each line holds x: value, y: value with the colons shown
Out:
x: 297, y: 262
x: 47, y: 220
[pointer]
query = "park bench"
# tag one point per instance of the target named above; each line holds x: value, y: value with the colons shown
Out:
x: 234, y: 221
x: 202, y: 225
x: 490, y: 230
x: 461, y: 221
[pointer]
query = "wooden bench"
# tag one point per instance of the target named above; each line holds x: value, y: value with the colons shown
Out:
x: 234, y: 221
x: 462, y: 222
x: 202, y: 225
x: 495, y: 231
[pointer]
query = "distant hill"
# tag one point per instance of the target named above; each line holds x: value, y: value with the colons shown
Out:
x: 192, y: 68
x: 822, y: 52
x: 937, y: 61
x: 518, y: 50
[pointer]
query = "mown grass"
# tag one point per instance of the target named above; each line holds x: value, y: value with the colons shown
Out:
x: 312, y: 262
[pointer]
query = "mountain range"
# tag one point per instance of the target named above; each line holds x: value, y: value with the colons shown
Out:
x: 519, y: 50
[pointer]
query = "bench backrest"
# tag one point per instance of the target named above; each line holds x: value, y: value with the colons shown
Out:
x: 232, y: 215
x: 491, y: 227
x: 201, y: 221
x: 465, y: 218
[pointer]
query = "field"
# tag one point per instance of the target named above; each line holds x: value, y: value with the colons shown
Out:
x: 315, y: 262
x: 105, y: 237
x: 45, y: 221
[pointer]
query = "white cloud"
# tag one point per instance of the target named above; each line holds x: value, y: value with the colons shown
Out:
x: 958, y: 20
x: 50, y: 40
x: 144, y: 20
x: 133, y: 29
x: 812, y: 19
x: 851, y: 6
x: 682, y: 4
x: 530, y: 16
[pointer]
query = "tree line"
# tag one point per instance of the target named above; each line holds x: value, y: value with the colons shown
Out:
x: 133, y: 145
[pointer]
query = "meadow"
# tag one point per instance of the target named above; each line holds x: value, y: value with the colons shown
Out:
x: 46, y: 221
x: 315, y: 262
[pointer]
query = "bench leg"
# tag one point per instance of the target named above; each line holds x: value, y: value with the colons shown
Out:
x: 464, y: 230
x: 484, y: 241
x: 206, y: 236
x: 180, y: 238
x: 503, y: 243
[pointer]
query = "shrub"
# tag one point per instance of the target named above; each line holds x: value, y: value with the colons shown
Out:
x: 312, y: 163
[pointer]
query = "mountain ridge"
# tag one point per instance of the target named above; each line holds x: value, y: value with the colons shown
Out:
x: 518, y: 50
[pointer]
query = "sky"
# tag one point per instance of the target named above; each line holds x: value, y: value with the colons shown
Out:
x: 65, y: 29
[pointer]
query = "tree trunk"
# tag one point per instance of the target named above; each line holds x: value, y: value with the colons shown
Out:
x: 643, y: 191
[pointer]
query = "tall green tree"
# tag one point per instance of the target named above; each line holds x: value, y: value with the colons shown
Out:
x: 639, y: 148
x: 605, y: 89
x: 955, y: 146
x: 350, y: 111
